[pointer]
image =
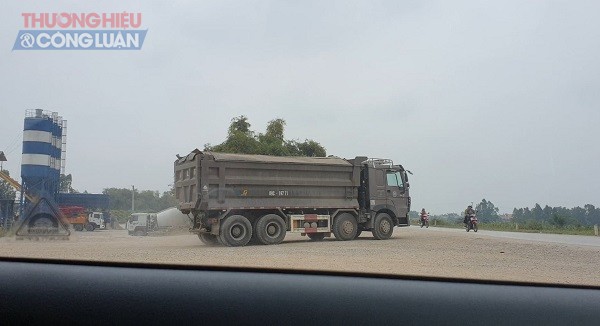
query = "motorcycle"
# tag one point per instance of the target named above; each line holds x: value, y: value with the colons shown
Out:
x: 472, y: 223
x: 425, y: 221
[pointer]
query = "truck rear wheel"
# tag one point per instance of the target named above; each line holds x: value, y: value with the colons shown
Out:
x: 254, y: 239
x: 208, y: 239
x: 236, y: 231
x: 270, y: 229
x: 345, y: 227
x: 383, y: 226
x: 78, y: 227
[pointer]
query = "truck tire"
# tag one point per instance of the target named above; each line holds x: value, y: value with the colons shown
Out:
x: 383, y: 226
x: 345, y: 227
x: 270, y: 229
x: 89, y: 227
x: 316, y: 236
x: 78, y: 227
x: 254, y: 239
x: 236, y: 231
x: 208, y: 239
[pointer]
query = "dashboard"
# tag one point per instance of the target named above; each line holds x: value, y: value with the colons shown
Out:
x: 35, y: 291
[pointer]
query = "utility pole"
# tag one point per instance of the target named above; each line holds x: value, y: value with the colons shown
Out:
x: 132, y: 199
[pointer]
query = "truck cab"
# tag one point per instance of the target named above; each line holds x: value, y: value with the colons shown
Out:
x: 140, y: 224
x: 384, y: 188
x: 96, y: 221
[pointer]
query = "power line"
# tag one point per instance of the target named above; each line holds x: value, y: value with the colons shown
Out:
x: 14, y: 144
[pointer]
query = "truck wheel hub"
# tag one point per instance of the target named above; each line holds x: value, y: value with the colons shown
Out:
x: 385, y: 226
x: 272, y: 230
x: 237, y: 232
x: 348, y: 227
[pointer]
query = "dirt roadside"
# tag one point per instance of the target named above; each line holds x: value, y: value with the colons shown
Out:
x: 411, y: 251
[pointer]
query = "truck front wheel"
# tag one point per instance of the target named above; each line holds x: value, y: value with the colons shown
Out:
x: 345, y: 227
x: 270, y: 229
x: 383, y: 226
x: 89, y: 227
x: 236, y: 231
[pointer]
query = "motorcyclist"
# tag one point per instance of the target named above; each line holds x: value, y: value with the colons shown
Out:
x: 423, y: 214
x: 468, y: 212
x: 424, y: 218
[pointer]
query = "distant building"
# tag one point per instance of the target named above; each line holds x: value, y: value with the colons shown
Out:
x: 506, y: 217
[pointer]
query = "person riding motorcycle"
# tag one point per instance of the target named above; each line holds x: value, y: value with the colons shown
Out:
x: 468, y: 212
x: 424, y: 218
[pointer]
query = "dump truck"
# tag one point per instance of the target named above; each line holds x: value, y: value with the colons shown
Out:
x: 234, y: 199
x: 82, y: 219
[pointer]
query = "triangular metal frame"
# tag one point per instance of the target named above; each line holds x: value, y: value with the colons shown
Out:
x: 55, y: 214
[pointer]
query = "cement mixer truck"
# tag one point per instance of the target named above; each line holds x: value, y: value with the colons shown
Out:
x: 165, y: 222
x: 235, y: 198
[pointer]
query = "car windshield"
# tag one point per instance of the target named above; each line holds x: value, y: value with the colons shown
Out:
x: 282, y: 135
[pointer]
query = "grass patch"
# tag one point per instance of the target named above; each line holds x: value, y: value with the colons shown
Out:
x: 527, y: 227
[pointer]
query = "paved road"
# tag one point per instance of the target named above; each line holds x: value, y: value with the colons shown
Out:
x: 580, y: 240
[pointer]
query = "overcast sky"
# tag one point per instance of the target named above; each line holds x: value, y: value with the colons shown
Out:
x: 497, y: 100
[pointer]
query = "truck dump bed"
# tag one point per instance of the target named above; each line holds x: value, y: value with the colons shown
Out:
x: 217, y: 181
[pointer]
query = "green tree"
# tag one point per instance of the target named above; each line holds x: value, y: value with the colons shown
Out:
x: 486, y: 211
x: 537, y: 212
x: 592, y: 214
x: 518, y: 214
x: 241, y: 139
x: 558, y: 220
x: 275, y: 130
x: 240, y: 125
x: 311, y: 148
x: 65, y: 184
x: 145, y: 200
x: 579, y: 214
x: 120, y: 198
x: 6, y: 190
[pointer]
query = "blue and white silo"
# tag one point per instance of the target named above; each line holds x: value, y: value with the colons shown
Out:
x: 41, y: 161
